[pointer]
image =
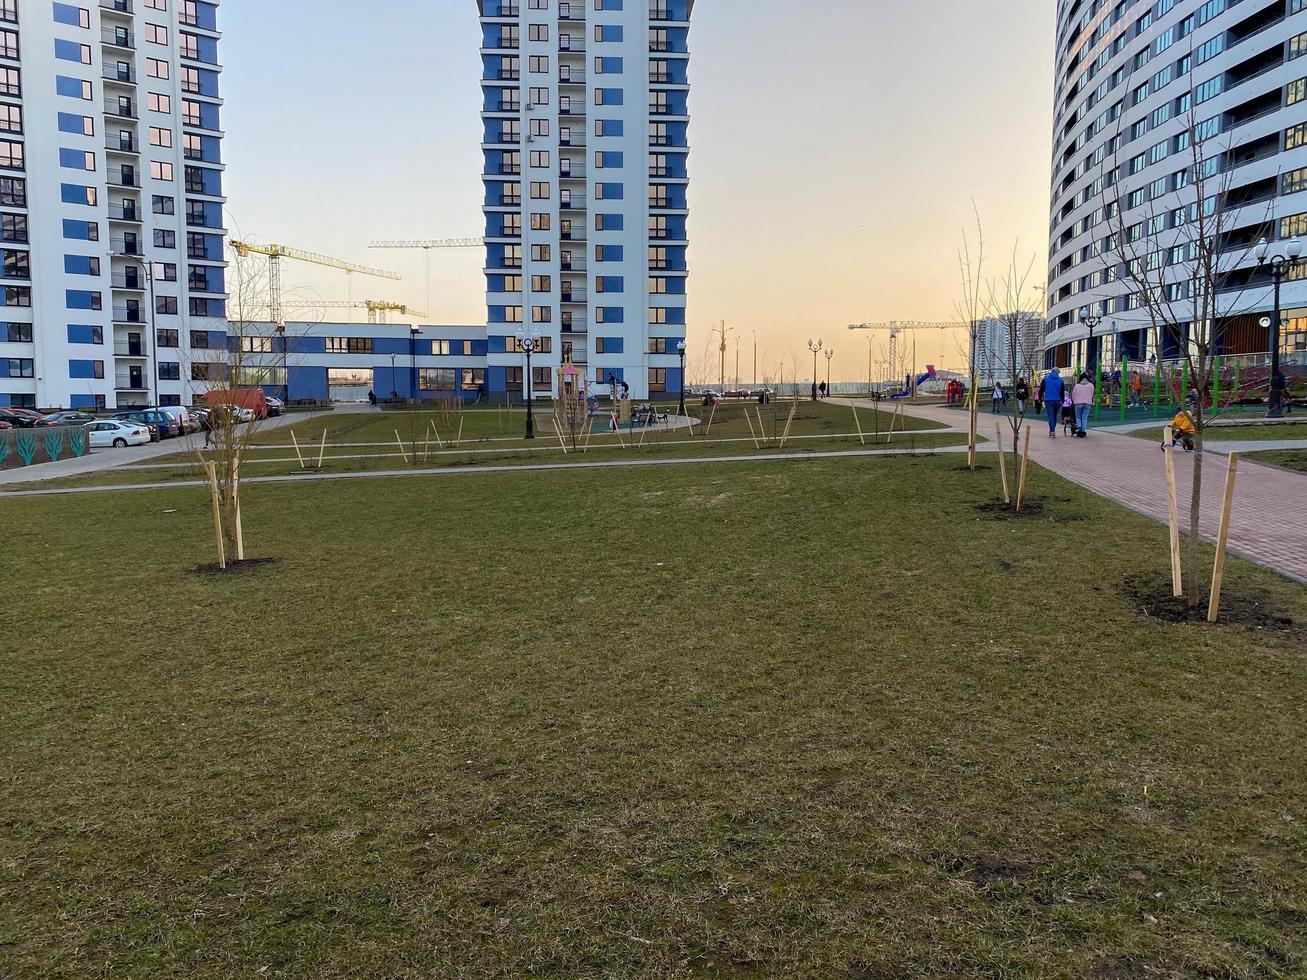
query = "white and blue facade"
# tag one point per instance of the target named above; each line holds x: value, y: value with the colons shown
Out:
x: 586, y: 146
x: 1134, y: 77
x: 345, y: 361
x: 111, y: 198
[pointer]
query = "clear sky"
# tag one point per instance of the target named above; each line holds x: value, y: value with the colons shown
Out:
x: 836, y: 148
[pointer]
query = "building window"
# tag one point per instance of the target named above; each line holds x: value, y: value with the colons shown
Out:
x: 349, y: 345
x: 437, y: 379
x: 658, y: 379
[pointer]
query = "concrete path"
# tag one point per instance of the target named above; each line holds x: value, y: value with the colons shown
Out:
x: 1268, y: 524
x: 106, y: 459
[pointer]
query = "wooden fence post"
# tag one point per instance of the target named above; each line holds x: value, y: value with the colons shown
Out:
x: 1002, y: 462
x: 1025, y: 466
x: 217, y: 513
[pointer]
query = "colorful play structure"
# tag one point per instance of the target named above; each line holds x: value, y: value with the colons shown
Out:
x: 910, y: 387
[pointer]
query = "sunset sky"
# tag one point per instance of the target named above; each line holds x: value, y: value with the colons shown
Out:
x: 836, y: 148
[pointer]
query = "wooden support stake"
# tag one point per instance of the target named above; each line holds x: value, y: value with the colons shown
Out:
x: 589, y: 430
x: 762, y: 429
x: 440, y: 443
x: 458, y: 443
x: 752, y: 433
x: 559, y: 429
x: 1222, y: 541
x: 400, y: 443
x: 858, y: 422
x: 711, y: 417
x: 236, y: 507
x: 617, y: 427
x: 789, y: 422
x: 1177, y: 573
x: 322, y: 451
x: 1002, y: 461
x: 217, y: 513
x: 297, y: 448
x: 1025, y: 465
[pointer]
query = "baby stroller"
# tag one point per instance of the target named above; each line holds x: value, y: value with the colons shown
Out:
x: 1182, y: 432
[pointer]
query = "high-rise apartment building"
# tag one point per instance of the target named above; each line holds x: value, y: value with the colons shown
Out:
x: 110, y: 201
x: 586, y: 150
x: 1138, y: 82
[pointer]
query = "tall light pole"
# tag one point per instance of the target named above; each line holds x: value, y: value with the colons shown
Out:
x: 680, y: 350
x: 830, y: 355
x: 1281, y: 265
x: 755, y: 359
x: 413, y: 357
x: 528, y: 346
x: 815, y: 347
x: 1091, y: 321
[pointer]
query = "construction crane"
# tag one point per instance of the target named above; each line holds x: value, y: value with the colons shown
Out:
x: 377, y: 309
x: 898, y: 327
x: 276, y: 253
x: 426, y: 246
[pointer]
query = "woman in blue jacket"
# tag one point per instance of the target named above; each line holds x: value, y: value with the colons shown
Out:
x: 1054, y: 387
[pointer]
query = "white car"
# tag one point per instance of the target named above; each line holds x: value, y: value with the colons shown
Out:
x: 119, y: 435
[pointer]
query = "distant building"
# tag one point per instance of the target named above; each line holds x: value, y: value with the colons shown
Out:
x: 992, y: 345
x: 586, y: 146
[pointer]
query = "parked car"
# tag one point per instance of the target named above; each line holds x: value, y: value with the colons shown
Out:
x: 118, y: 434
x: 18, y: 418
x: 181, y: 417
x: 164, y: 425
x: 65, y: 418
x: 5, y: 425
x: 275, y: 406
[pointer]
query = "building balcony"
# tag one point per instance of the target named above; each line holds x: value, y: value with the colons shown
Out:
x: 573, y: 202
x: 117, y: 6
x: 126, y: 212
x: 572, y: 78
x: 125, y: 246
x: 123, y: 74
x: 576, y: 296
x: 130, y: 350
x: 120, y: 108
x: 118, y: 37
x: 131, y: 280
x: 123, y: 144
x: 128, y: 314
x: 118, y: 177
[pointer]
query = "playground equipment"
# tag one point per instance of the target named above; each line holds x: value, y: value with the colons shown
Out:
x: 910, y: 385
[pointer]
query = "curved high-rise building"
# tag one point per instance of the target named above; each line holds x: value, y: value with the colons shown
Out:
x: 1136, y: 81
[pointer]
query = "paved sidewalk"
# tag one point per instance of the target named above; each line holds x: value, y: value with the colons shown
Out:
x: 99, y: 460
x: 1268, y: 524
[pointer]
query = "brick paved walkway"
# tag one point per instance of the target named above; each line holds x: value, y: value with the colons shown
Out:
x: 1268, y: 524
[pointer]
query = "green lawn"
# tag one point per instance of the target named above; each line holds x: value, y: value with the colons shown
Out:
x: 813, y: 719
x: 1291, y: 459
x: 1249, y: 432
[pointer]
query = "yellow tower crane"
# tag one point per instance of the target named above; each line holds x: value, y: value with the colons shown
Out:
x: 427, y: 245
x: 276, y: 253
x: 377, y: 308
x: 897, y: 328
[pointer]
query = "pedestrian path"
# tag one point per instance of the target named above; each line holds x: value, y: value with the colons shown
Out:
x: 1269, y: 521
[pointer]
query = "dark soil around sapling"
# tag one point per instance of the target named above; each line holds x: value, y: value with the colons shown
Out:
x: 1238, y: 607
x: 234, y: 567
x: 980, y: 468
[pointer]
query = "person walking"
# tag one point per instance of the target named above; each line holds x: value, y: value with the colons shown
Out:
x: 1051, y: 390
x: 814, y: 391
x: 822, y: 389
x: 206, y: 423
x: 1082, y: 397
x: 1023, y: 396
x: 996, y: 399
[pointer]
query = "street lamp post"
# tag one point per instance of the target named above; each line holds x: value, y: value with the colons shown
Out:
x: 1091, y: 321
x: 528, y: 346
x: 815, y: 347
x: 830, y: 355
x: 680, y: 350
x: 1281, y: 265
x: 413, y: 356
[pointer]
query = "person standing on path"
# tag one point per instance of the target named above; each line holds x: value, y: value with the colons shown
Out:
x: 997, y: 399
x: 1052, y: 388
x: 1023, y: 396
x: 1082, y: 397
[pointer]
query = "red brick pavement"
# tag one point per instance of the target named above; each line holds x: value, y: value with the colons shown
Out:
x: 1268, y: 523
